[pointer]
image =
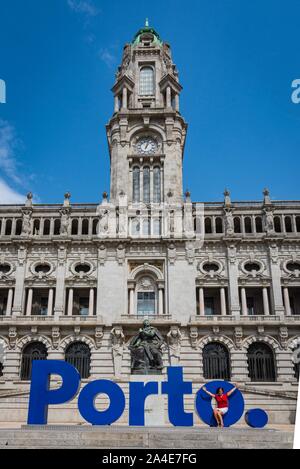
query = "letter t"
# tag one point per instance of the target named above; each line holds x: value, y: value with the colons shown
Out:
x: 175, y: 388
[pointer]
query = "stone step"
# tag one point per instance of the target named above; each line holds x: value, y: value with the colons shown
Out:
x: 135, y: 437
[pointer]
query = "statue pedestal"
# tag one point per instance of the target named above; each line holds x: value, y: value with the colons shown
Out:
x: 154, y: 405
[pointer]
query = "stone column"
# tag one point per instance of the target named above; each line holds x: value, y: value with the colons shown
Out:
x: 131, y: 301
x: 116, y: 108
x: 29, y: 302
x: 151, y: 185
x: 160, y: 302
x: 60, y: 283
x: 223, y: 301
x: 9, y: 302
x: 276, y: 291
x: 91, y: 302
x: 244, y: 302
x: 233, y: 275
x: 177, y: 106
x: 287, y: 303
x: 19, y: 285
x: 141, y: 185
x: 50, y: 302
x: 201, y: 302
x: 70, y: 302
x: 266, y: 302
x: 169, y: 99
x: 124, y: 98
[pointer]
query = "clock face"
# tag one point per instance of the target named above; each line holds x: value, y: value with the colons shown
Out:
x: 146, y: 146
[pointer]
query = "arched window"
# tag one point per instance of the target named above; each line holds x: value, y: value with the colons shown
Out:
x: 146, y: 297
x: 208, y: 227
x: 248, y: 225
x: 46, y: 231
x: 288, y: 224
x: 146, y: 81
x: 74, y: 227
x: 85, y: 227
x: 136, y: 184
x: 219, y: 225
x: 1, y: 369
x: 78, y: 354
x: 237, y: 225
x: 95, y: 226
x: 36, y: 226
x: 57, y: 227
x: 32, y: 351
x: 298, y: 224
x: 261, y: 363
x: 156, y: 185
x: 258, y: 225
x: 19, y: 226
x: 8, y: 227
x: 216, y: 362
x: 146, y: 185
x: 277, y: 224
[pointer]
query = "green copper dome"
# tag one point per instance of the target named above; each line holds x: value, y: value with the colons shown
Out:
x: 144, y: 30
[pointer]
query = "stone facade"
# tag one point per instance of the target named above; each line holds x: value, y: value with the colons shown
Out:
x: 217, y: 279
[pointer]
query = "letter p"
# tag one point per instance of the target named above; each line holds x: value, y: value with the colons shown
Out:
x: 40, y: 394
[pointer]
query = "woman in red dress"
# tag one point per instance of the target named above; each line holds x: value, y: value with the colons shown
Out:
x: 222, y: 403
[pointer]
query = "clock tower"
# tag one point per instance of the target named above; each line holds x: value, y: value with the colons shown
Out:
x: 146, y: 134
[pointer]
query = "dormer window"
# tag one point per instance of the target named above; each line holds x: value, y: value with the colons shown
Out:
x: 146, y: 81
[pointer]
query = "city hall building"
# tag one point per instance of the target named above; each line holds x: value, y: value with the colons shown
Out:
x: 219, y: 281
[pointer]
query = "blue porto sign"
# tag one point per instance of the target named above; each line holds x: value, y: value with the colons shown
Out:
x: 175, y: 388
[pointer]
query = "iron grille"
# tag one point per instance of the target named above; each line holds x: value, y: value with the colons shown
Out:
x: 79, y: 355
x: 261, y: 363
x: 216, y: 362
x: 34, y: 351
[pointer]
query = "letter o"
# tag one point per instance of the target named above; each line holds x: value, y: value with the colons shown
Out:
x: 86, y: 402
x: 204, y: 408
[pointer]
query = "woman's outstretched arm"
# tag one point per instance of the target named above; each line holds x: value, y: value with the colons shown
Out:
x: 231, y: 391
x: 207, y: 392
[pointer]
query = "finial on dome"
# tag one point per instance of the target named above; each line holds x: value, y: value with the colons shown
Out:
x: 147, y: 23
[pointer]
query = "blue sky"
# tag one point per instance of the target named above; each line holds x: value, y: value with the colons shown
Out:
x: 237, y: 60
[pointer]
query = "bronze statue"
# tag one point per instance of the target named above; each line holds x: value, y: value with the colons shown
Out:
x: 146, y: 350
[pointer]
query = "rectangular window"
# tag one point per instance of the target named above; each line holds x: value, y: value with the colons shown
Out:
x: 83, y: 306
x: 146, y: 81
x: 146, y: 304
x: 251, y: 306
x: 44, y: 306
x: 3, y: 303
x: 209, y: 306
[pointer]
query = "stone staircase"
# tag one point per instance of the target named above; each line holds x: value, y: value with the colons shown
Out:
x: 280, y: 406
x: 118, y: 437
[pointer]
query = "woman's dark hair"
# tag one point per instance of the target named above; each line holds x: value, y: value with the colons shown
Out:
x: 220, y: 389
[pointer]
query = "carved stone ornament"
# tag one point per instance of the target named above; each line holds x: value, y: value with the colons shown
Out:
x: 117, y: 344
x: 174, y: 338
x: 12, y: 337
x: 98, y: 336
x: 283, y: 336
x: 194, y: 336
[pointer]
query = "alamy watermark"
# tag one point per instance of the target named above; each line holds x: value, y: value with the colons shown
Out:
x: 295, y: 96
x: 2, y: 92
